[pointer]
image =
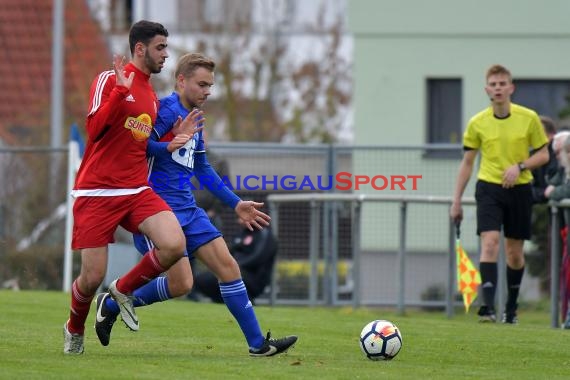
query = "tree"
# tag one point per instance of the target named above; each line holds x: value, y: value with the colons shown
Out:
x: 277, y: 80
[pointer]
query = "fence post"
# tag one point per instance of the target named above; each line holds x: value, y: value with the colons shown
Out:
x: 452, y: 268
x: 72, y: 166
x: 554, y: 267
x: 274, y: 213
x: 356, y: 212
x: 402, y: 258
x: 329, y: 237
x: 314, y: 253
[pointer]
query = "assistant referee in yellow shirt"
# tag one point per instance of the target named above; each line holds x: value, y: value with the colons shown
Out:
x: 504, y: 133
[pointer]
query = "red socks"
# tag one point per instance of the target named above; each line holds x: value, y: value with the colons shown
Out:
x: 146, y: 270
x: 80, y: 304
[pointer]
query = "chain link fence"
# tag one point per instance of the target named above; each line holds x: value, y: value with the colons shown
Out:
x: 32, y: 221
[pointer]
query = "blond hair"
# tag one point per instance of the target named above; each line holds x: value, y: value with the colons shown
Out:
x: 498, y: 70
x: 190, y: 62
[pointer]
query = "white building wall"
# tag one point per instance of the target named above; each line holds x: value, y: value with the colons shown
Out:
x: 401, y: 43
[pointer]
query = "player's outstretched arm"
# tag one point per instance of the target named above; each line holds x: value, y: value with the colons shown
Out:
x: 250, y: 214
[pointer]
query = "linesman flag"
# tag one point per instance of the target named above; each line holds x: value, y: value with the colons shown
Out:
x: 468, y: 277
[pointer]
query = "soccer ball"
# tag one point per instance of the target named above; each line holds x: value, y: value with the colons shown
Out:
x: 380, y: 340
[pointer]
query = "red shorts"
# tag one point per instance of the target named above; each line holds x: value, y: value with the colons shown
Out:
x: 95, y: 219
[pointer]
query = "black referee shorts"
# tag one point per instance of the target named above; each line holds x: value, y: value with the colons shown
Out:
x: 509, y: 208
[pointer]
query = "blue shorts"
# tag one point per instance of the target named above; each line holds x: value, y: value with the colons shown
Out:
x: 197, y: 227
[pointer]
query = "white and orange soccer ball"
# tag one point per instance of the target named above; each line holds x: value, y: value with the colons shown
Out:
x: 380, y: 340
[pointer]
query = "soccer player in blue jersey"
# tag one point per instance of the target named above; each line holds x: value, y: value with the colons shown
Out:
x: 176, y: 153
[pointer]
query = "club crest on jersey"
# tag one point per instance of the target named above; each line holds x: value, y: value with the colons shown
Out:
x: 140, y: 126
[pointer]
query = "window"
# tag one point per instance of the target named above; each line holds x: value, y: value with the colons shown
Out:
x: 214, y: 15
x: 546, y: 97
x: 444, y: 115
x: 121, y: 15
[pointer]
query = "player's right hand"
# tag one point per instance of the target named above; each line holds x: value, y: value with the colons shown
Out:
x: 177, y: 142
x: 456, y: 212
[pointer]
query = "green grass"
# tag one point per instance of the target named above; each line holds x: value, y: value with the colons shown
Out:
x: 186, y: 340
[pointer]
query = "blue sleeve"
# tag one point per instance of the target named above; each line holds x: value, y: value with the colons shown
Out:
x: 164, y: 123
x: 209, y: 178
x: 157, y: 148
x: 201, y: 146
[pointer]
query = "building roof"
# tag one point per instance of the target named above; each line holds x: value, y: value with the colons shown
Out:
x: 25, y: 70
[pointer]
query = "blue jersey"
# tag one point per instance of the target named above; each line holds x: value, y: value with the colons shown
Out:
x: 170, y: 173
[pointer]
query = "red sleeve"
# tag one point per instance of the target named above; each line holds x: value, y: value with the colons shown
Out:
x: 169, y: 136
x: 104, y: 103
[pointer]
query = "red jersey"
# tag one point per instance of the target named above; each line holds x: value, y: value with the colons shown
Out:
x: 118, y: 125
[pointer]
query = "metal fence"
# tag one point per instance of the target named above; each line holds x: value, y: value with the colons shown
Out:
x: 32, y: 229
x: 369, y: 272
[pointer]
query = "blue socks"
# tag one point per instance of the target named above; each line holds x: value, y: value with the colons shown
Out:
x: 238, y: 303
x: 234, y: 294
x: 154, y: 291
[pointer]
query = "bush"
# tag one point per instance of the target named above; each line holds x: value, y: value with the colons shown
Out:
x: 38, y: 267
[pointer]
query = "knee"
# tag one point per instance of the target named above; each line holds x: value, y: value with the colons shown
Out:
x: 230, y: 271
x: 181, y: 288
x: 515, y: 260
x: 490, y: 246
x: 174, y: 246
x: 89, y: 282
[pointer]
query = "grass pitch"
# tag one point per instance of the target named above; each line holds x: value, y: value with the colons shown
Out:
x: 187, y: 340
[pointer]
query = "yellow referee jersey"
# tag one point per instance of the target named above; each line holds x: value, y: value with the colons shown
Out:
x: 504, y: 142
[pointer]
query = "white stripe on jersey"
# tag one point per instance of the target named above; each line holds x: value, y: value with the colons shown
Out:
x: 106, y: 192
x: 99, y: 90
x: 150, y: 163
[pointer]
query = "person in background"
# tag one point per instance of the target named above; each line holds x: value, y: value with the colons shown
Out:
x: 255, y: 253
x: 171, y: 166
x: 505, y: 133
x: 558, y: 189
x: 541, y: 174
x: 539, y: 262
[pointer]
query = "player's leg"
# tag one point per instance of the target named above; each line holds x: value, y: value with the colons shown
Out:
x: 206, y: 283
x: 517, y: 229
x: 489, y: 274
x: 489, y: 221
x: 163, y: 229
x: 149, y: 214
x: 93, y: 268
x: 88, y: 231
x: 515, y: 270
x: 177, y: 282
x: 216, y: 256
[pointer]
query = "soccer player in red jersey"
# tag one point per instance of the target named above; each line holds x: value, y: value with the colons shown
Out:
x: 111, y: 188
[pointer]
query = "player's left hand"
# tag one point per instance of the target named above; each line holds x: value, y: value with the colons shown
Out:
x: 251, y: 216
x: 191, y: 124
x: 510, y: 176
x: 119, y: 68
